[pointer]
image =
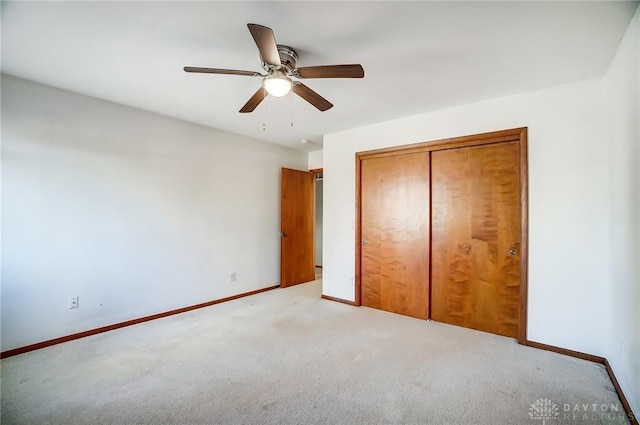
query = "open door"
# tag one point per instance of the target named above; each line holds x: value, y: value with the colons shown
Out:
x: 297, y: 227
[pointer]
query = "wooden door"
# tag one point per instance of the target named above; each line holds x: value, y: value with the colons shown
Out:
x: 394, y: 267
x: 476, y: 219
x: 297, y: 226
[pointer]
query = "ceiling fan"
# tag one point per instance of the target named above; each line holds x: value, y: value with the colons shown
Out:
x: 280, y: 62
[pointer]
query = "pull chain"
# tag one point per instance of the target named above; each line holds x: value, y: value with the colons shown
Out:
x: 264, y: 111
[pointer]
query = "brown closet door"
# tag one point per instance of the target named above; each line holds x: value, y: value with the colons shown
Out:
x: 395, y: 233
x: 476, y: 237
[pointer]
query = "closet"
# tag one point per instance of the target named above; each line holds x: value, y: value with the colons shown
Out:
x: 442, y: 231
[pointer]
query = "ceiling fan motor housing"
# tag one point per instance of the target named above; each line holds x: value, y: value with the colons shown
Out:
x: 288, y: 58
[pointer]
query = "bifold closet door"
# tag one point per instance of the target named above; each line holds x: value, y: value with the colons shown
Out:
x: 395, y: 233
x: 475, y: 270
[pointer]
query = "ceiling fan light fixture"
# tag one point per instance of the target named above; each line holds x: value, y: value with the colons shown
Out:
x: 277, y: 84
x: 280, y: 63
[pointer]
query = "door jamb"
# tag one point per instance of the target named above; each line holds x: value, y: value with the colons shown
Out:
x: 315, y: 172
x: 510, y: 135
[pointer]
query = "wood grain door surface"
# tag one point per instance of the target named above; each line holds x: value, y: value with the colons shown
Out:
x: 395, y: 233
x: 297, y: 225
x: 475, y: 279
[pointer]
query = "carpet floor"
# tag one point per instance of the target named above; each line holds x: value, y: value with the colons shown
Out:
x: 288, y: 357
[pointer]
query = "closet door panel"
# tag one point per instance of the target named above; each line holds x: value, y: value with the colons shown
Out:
x: 475, y: 272
x: 395, y: 233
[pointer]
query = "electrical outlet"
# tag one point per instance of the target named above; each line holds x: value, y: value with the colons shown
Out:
x: 233, y: 277
x: 73, y: 302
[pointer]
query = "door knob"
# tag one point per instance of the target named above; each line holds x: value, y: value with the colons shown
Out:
x: 365, y: 242
x: 512, y: 251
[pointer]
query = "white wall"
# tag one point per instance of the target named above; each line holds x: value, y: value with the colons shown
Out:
x: 133, y: 212
x: 623, y: 140
x: 567, y: 201
x: 315, y: 160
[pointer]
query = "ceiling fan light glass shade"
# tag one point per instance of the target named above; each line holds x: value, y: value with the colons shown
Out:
x: 277, y: 84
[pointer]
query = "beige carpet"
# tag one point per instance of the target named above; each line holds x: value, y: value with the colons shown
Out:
x: 288, y: 357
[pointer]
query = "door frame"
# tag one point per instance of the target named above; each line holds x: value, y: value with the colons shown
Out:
x: 315, y: 172
x: 511, y: 135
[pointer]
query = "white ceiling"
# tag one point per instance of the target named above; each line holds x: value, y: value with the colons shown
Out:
x: 417, y: 56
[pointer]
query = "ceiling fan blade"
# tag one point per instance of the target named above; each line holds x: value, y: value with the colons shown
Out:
x: 266, y: 42
x: 221, y: 71
x: 331, y: 71
x: 312, y: 97
x: 254, y: 101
